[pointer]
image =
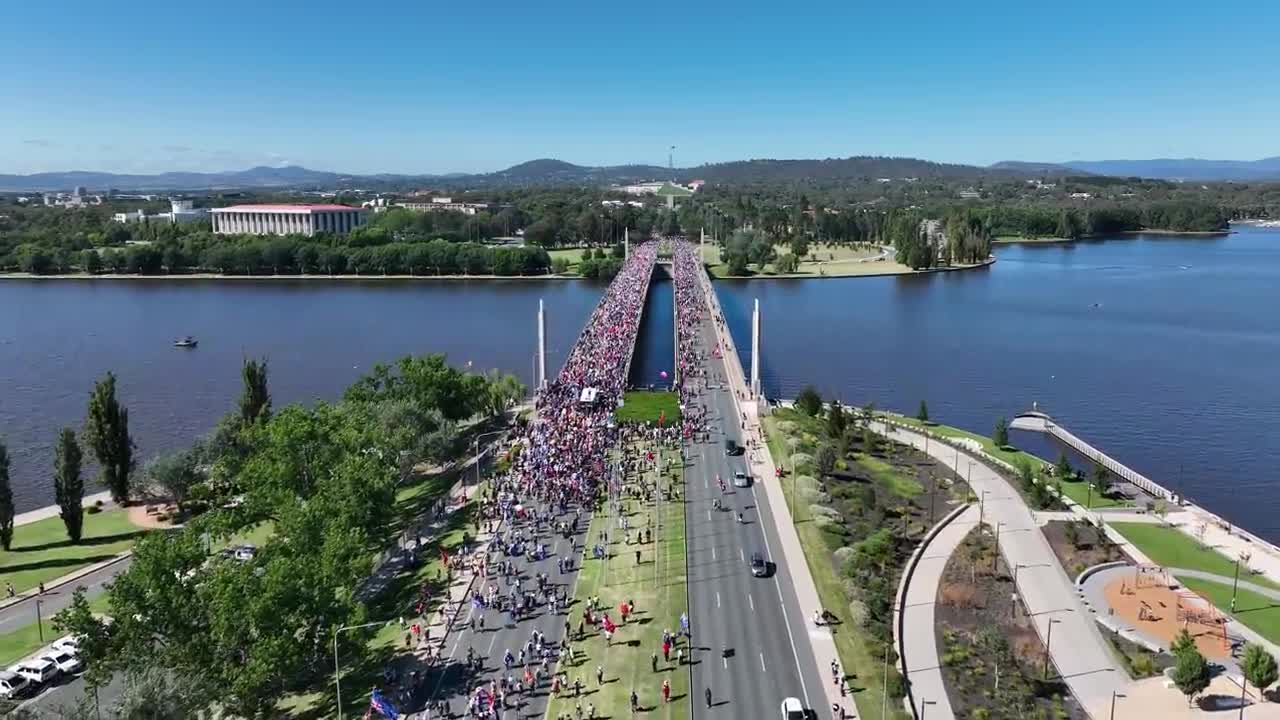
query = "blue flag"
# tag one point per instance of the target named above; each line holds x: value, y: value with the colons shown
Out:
x: 383, y: 706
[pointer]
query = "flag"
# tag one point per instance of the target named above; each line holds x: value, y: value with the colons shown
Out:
x: 444, y: 557
x: 662, y: 416
x: 383, y: 706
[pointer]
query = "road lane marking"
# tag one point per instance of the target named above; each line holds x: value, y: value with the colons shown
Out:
x: 752, y: 603
x: 725, y: 660
x: 713, y: 553
x: 708, y: 516
x: 762, y: 667
x: 717, y: 598
x: 742, y: 555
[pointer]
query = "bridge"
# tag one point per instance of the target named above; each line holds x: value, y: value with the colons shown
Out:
x: 1036, y: 421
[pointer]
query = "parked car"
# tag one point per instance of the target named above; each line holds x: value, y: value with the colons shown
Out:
x: 66, y: 643
x: 244, y: 553
x: 741, y: 479
x: 12, y: 685
x: 39, y: 671
x: 66, y: 662
x: 792, y: 709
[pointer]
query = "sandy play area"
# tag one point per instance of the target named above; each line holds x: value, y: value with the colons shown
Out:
x: 1150, y: 606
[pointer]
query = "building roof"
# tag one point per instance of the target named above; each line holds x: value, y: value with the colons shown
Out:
x: 675, y: 190
x: 285, y: 208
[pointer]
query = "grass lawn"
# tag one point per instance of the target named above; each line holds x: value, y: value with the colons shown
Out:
x: 1260, y: 614
x: 658, y: 587
x: 1170, y: 548
x: 648, y: 406
x: 1078, y: 491
x: 17, y: 644
x: 855, y: 658
x: 41, y: 551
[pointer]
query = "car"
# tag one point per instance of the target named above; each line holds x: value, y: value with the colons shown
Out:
x: 66, y: 662
x: 741, y: 479
x: 12, y: 685
x: 759, y: 566
x: 244, y: 553
x: 39, y: 671
x: 731, y: 447
x: 792, y: 709
x: 66, y: 643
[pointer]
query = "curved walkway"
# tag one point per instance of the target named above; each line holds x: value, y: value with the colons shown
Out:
x: 919, y: 629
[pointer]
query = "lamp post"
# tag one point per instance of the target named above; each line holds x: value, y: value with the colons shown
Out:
x: 1235, y: 584
x: 337, y: 669
x: 39, y: 622
x: 475, y: 450
x: 924, y: 704
x: 1047, y: 640
x: 995, y: 557
x: 1115, y: 695
x: 982, y: 500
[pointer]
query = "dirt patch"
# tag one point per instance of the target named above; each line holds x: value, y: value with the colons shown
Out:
x: 155, y: 516
x: 1079, y: 545
x: 983, y: 634
x: 1146, y: 601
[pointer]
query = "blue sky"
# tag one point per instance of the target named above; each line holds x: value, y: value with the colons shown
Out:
x: 392, y: 86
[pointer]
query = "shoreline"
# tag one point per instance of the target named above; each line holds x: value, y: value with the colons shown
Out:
x: 838, y: 276
x: 1018, y: 240
x: 259, y: 278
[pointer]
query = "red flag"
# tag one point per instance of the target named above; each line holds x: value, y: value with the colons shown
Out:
x: 444, y: 556
x: 662, y: 416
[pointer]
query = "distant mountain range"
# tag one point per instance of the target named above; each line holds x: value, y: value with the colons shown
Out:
x: 558, y: 172
x: 1162, y: 168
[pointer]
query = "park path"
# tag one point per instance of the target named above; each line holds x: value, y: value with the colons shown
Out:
x: 1078, y: 650
x: 919, y: 628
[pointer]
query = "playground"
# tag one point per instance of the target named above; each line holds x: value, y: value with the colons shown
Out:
x: 1155, y: 605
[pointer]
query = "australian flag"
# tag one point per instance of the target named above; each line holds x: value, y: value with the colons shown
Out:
x: 383, y: 706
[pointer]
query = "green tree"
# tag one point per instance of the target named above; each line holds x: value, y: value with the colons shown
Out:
x: 786, y: 263
x: 826, y: 459
x: 836, y: 420
x: 255, y: 398
x: 799, y: 247
x: 107, y: 430
x: 1182, y: 642
x: 1258, y: 666
x: 1102, y: 479
x: 68, y: 485
x: 809, y: 401
x: 923, y: 413
x: 1001, y: 435
x: 173, y: 476
x: 1062, y: 469
x: 90, y: 261
x: 559, y: 265
x: 1191, y: 673
x: 6, y: 501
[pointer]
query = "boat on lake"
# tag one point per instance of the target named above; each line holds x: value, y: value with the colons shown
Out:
x: 186, y: 342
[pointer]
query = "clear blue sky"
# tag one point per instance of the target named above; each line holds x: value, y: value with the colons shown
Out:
x: 390, y: 86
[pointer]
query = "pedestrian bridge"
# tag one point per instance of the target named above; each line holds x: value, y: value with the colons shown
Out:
x: 1037, y: 421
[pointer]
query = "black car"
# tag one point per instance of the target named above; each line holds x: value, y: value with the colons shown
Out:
x: 731, y: 447
x: 759, y: 566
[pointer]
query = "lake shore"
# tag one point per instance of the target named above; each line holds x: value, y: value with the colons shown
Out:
x: 258, y: 278
x: 870, y: 271
x: 1019, y: 240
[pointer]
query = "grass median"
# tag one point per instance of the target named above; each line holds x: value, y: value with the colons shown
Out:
x: 41, y: 551
x: 658, y: 587
x: 648, y: 406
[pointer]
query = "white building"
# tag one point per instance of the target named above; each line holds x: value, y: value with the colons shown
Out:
x: 441, y: 204
x: 286, y: 219
x: 180, y: 211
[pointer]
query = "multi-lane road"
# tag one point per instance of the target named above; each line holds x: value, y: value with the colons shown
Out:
x: 754, y: 644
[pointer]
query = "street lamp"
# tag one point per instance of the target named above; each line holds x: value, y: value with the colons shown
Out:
x: 337, y: 670
x: 982, y: 500
x: 924, y: 704
x: 995, y: 558
x: 39, y: 622
x: 1115, y: 695
x: 1235, y: 582
x: 475, y: 450
x: 1047, y: 640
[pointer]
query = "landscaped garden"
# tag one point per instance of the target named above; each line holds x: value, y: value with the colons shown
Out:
x: 41, y: 551
x: 861, y: 503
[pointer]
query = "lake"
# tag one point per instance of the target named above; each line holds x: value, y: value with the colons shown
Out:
x: 1160, y: 350
x: 1164, y: 351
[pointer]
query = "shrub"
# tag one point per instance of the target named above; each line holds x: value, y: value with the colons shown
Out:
x: 793, y: 444
x: 814, y: 497
x: 857, y: 613
x: 807, y: 482
x: 842, y: 556
x: 896, y: 686
x: 787, y: 427
x: 93, y: 509
x: 816, y: 510
x: 802, y: 462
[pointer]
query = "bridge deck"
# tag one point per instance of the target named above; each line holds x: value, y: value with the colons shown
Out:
x: 1039, y: 422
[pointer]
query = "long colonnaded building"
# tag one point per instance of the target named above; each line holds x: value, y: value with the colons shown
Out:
x: 286, y: 219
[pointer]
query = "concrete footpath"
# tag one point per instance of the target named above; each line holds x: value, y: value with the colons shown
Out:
x: 762, y: 466
x: 1078, y: 650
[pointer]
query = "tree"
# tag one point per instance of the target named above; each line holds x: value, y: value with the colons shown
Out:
x: 826, y: 459
x: 786, y: 263
x: 1102, y: 479
x: 90, y: 261
x: 1182, y: 642
x: 255, y: 399
x: 923, y: 413
x: 107, y: 430
x: 809, y: 401
x: 1001, y: 435
x: 68, y: 486
x: 173, y: 476
x: 1259, y: 667
x: 6, y: 501
x: 1191, y: 673
x: 836, y: 420
x: 1062, y: 470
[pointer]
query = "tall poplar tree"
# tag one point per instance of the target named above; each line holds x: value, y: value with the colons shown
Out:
x: 107, y: 431
x: 68, y: 486
x: 6, y: 500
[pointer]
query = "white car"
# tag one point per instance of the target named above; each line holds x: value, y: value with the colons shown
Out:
x: 792, y: 709
x: 65, y: 661
x: 12, y: 685
x: 67, y: 644
x: 741, y: 479
x: 244, y: 553
x: 39, y: 671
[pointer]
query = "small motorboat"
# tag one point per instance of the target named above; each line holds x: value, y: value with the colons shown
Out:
x: 186, y: 342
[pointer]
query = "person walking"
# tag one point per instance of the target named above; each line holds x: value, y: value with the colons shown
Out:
x: 708, y: 696
x: 599, y: 675
x: 666, y: 691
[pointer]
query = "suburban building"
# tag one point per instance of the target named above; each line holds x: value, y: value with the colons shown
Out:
x: 286, y: 219
x: 180, y: 211
x: 442, y: 204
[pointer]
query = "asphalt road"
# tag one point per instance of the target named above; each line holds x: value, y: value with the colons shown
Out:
x: 754, y: 647
x: 452, y: 679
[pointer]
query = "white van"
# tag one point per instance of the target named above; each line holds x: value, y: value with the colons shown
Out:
x: 40, y: 671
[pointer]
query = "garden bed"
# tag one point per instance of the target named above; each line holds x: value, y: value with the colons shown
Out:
x: 984, y: 634
x: 1078, y: 545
